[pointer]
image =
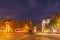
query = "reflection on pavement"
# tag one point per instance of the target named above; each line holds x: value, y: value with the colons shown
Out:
x: 14, y: 36
x: 6, y: 36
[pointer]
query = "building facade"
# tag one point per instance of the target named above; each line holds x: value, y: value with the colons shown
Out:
x: 45, y: 24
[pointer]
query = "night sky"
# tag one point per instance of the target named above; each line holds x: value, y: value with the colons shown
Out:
x: 34, y: 10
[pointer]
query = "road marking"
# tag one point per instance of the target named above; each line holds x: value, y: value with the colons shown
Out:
x: 22, y: 37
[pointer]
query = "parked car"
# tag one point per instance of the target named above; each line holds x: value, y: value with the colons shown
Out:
x: 18, y: 31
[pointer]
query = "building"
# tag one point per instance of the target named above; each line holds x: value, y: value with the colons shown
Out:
x: 5, y: 25
x: 8, y: 25
x: 39, y: 26
x: 45, y: 23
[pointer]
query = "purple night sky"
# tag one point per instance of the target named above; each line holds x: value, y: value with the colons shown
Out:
x: 34, y: 10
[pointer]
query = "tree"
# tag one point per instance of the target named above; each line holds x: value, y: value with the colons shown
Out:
x: 55, y: 20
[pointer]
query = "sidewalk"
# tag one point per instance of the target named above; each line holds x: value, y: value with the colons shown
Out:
x: 57, y: 34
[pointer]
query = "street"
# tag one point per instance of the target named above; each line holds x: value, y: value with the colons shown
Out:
x: 20, y: 36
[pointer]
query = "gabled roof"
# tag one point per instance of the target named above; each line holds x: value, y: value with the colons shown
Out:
x: 47, y: 18
x: 6, y: 19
